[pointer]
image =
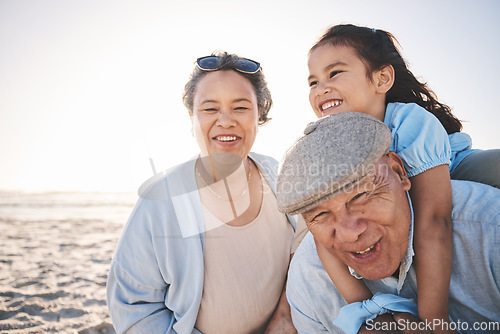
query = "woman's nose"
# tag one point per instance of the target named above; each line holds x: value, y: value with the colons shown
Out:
x: 225, y: 118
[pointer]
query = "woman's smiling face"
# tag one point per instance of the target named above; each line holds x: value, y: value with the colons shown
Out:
x: 225, y: 114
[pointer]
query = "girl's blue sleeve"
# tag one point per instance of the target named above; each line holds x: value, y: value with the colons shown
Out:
x: 417, y: 137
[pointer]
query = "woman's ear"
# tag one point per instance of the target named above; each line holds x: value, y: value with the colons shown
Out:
x: 384, y: 79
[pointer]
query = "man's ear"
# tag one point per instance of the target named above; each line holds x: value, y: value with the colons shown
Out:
x: 384, y: 79
x: 398, y: 167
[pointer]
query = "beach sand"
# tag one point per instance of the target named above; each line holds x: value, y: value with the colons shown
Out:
x: 53, y: 275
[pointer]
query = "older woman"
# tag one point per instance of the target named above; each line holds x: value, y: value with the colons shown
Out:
x: 205, y: 249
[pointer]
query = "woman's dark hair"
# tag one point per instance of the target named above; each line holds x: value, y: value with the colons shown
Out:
x: 228, y: 62
x: 377, y: 49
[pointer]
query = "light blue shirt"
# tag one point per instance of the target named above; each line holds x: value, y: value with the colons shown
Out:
x: 421, y: 140
x: 155, y: 281
x: 475, y: 281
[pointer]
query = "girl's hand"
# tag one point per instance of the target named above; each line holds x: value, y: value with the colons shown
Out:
x: 351, y: 288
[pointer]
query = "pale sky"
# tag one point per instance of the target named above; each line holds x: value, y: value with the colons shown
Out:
x: 90, y: 90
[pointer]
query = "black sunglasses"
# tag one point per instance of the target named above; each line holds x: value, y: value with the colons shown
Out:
x: 243, y: 65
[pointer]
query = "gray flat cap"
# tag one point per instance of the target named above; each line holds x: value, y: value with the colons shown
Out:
x: 335, y: 152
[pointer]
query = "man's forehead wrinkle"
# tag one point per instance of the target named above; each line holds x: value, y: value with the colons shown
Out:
x: 380, y: 178
x: 313, y: 209
x: 381, y: 170
x: 332, y: 205
x: 367, y: 181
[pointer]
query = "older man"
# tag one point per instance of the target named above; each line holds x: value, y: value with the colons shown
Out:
x: 344, y: 181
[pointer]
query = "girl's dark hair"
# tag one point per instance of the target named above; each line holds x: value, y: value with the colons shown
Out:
x: 377, y: 49
x: 227, y: 63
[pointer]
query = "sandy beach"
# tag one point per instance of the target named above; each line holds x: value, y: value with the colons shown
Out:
x: 54, y: 264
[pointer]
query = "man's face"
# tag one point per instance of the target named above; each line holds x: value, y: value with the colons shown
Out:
x: 367, y: 226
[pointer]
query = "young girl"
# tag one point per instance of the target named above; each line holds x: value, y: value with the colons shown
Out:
x: 360, y: 69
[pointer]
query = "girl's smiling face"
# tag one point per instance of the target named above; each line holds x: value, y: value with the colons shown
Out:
x: 339, y: 82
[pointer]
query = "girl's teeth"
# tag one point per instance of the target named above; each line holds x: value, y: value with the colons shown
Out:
x: 330, y: 104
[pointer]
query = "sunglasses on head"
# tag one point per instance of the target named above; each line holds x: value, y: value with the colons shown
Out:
x: 243, y: 65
